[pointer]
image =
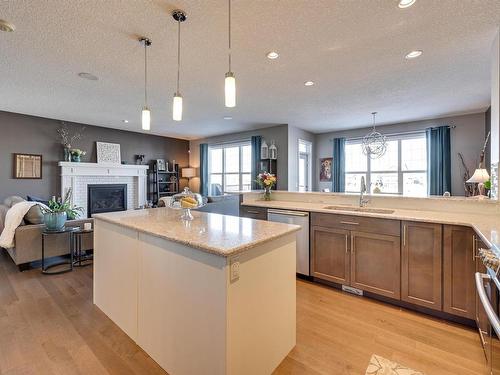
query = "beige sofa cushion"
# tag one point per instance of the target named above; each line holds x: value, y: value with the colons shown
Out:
x: 34, y: 215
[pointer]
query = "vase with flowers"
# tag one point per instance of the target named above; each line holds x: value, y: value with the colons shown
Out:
x: 76, y: 154
x: 266, y: 181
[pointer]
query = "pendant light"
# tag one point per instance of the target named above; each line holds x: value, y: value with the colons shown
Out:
x: 146, y: 113
x: 230, y: 80
x: 374, y: 144
x: 179, y: 16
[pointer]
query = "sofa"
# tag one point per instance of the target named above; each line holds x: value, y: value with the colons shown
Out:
x: 28, y: 240
x: 227, y: 204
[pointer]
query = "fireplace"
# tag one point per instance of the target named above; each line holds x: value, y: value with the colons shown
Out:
x: 106, y: 198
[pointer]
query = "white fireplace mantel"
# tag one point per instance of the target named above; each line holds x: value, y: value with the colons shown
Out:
x: 78, y: 176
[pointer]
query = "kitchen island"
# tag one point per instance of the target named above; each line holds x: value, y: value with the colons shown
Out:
x: 215, y: 295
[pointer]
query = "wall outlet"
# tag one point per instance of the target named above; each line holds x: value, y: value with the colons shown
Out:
x: 234, y: 269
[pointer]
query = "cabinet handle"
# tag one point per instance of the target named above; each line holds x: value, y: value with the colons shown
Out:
x: 473, y: 248
x: 253, y: 212
x: 404, y: 234
x: 349, y: 222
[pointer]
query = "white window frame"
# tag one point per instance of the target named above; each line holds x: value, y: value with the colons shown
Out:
x: 308, y: 154
x: 223, y: 147
x: 400, y: 172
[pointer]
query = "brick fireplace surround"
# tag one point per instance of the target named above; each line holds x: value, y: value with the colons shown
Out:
x: 79, y: 175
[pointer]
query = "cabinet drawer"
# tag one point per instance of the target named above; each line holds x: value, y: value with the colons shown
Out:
x: 358, y: 223
x: 252, y: 212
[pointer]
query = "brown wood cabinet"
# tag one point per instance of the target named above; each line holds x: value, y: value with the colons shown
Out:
x: 421, y: 264
x: 358, y: 251
x: 459, y: 265
x: 330, y: 254
x: 375, y: 263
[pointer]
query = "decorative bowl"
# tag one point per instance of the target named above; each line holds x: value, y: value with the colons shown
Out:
x: 187, y: 201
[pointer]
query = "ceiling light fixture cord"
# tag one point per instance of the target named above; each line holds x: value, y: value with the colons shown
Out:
x: 229, y: 44
x: 178, y: 53
x: 145, y: 72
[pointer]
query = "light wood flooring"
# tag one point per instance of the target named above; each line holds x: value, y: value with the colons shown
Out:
x: 48, y: 325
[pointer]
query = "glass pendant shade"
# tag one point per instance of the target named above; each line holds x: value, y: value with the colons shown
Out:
x: 146, y: 119
x: 177, y: 107
x: 230, y: 90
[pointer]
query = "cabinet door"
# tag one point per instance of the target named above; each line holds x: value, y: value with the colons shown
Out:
x: 421, y: 264
x: 252, y: 212
x: 330, y: 254
x: 375, y: 263
x: 459, y: 265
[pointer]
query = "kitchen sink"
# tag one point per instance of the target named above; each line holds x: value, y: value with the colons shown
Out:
x: 360, y: 209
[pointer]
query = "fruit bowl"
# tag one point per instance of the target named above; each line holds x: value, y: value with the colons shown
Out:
x: 187, y: 201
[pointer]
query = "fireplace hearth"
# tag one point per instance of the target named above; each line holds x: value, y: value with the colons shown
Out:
x: 106, y: 198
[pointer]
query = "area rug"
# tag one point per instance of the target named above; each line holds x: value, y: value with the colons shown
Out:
x: 382, y: 366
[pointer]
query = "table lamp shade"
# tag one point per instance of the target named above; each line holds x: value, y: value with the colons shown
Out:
x: 480, y: 176
x: 188, y: 172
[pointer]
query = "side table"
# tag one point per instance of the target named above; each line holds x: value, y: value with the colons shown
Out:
x: 80, y: 258
x: 66, y: 231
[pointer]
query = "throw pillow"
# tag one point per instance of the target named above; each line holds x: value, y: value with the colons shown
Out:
x: 10, y: 201
x: 34, y: 215
x: 31, y: 198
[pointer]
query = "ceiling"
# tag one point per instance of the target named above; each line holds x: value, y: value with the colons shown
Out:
x: 353, y: 51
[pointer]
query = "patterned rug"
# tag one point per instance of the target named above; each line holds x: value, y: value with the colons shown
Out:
x: 382, y: 366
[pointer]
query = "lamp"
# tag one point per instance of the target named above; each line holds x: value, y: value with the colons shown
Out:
x: 230, y: 79
x: 479, y: 177
x: 146, y: 113
x: 178, y: 16
x: 188, y: 172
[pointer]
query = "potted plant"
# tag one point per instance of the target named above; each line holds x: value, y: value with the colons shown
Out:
x: 58, y: 211
x: 266, y: 181
x: 76, y: 154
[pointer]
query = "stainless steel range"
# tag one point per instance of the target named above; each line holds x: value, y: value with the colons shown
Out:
x: 487, y: 306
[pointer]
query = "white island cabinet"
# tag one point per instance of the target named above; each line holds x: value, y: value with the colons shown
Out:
x: 213, y: 296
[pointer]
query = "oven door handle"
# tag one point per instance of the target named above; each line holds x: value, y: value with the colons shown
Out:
x: 492, y: 316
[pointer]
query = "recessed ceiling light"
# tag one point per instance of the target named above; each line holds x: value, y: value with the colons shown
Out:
x: 6, y: 26
x: 406, y: 3
x: 273, y: 55
x: 125, y: 121
x: 413, y: 54
x: 88, y: 76
x: 308, y: 83
x: 228, y: 118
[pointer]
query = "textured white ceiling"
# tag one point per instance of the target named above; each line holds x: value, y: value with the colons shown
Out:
x: 352, y: 49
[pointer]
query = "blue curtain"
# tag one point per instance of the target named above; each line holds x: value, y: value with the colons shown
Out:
x: 338, y: 165
x: 204, y: 169
x: 438, y: 160
x: 256, y: 143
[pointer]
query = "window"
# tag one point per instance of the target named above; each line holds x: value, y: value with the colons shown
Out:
x: 401, y: 170
x: 304, y: 166
x: 229, y: 167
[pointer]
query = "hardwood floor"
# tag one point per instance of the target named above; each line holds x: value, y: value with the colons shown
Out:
x: 48, y: 325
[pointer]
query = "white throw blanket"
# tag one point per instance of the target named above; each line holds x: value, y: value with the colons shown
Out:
x: 13, y: 219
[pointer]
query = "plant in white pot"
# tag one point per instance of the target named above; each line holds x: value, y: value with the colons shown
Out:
x: 58, y: 211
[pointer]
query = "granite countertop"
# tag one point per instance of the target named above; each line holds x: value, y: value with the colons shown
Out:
x: 222, y: 235
x: 487, y: 226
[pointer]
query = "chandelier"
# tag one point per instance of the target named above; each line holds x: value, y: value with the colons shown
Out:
x: 374, y: 143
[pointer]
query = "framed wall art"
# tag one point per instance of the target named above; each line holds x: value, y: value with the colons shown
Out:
x: 28, y: 166
x: 108, y: 153
x: 325, y: 169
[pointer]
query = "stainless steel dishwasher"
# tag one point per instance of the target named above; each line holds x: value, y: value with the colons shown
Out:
x: 298, y: 218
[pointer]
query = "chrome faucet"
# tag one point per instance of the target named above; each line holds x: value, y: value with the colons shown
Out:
x: 363, y: 202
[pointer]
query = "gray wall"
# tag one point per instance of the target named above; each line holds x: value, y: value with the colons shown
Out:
x: 36, y: 135
x: 277, y: 133
x: 467, y: 138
